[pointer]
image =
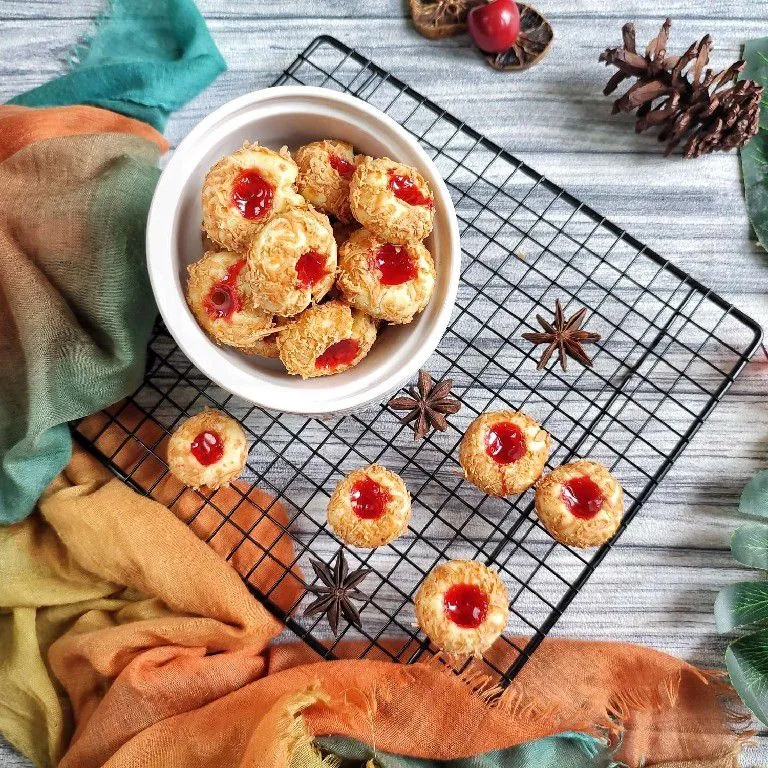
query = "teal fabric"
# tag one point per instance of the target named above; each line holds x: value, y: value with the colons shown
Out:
x: 566, y: 750
x: 146, y: 59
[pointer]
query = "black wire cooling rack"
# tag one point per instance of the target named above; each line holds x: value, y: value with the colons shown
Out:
x: 670, y: 350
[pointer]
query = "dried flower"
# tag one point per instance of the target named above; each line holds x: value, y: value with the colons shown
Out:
x: 441, y: 18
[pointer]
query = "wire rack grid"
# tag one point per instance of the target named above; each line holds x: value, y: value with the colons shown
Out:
x: 670, y: 350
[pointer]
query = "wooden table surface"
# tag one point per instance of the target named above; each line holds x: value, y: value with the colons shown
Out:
x: 658, y: 585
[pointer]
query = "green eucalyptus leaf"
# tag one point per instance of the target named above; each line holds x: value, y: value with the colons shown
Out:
x: 742, y: 604
x: 754, y: 497
x: 754, y: 157
x: 747, y: 663
x: 749, y: 545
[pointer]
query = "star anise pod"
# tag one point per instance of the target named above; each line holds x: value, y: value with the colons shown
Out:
x: 427, y: 406
x: 710, y: 111
x: 565, y: 336
x: 336, y: 591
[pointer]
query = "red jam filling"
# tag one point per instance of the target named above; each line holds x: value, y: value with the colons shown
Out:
x: 223, y: 299
x: 310, y: 268
x: 369, y: 499
x: 395, y: 264
x: 252, y: 195
x: 341, y: 353
x: 505, y: 443
x: 207, y: 448
x: 466, y: 605
x: 582, y: 497
x: 343, y: 167
x: 406, y: 189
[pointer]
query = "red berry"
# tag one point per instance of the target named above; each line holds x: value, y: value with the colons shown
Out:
x: 494, y: 27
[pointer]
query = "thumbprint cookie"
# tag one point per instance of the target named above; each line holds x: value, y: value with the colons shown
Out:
x: 581, y: 504
x: 462, y: 606
x: 325, y: 169
x: 292, y: 261
x: 244, y: 189
x: 207, y: 449
x: 370, y: 507
x: 504, y: 452
x: 391, y: 200
x: 220, y: 297
x: 386, y: 281
x: 267, y: 347
x: 325, y: 339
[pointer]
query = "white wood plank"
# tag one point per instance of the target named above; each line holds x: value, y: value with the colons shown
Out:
x: 584, y: 10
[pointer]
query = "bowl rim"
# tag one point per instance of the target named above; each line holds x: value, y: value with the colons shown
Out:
x: 163, y: 214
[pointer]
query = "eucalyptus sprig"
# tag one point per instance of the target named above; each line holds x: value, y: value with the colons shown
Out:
x: 744, y: 606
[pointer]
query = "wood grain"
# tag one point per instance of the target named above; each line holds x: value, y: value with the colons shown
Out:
x: 658, y: 584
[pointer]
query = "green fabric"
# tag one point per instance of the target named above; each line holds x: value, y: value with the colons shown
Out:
x: 76, y: 308
x: 147, y: 58
x: 76, y: 294
x: 566, y: 750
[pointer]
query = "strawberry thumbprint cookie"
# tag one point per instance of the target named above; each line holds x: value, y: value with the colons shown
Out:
x: 369, y: 507
x: 386, y: 281
x: 325, y: 169
x: 581, y: 504
x: 391, y: 200
x: 462, y: 606
x: 220, y: 296
x: 326, y: 339
x: 208, y: 449
x: 266, y: 347
x: 504, y: 452
x: 244, y: 189
x: 292, y: 261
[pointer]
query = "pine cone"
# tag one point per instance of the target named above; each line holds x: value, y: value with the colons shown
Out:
x: 709, y: 111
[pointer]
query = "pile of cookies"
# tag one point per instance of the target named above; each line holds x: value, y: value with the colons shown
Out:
x: 280, y: 280
x: 462, y: 605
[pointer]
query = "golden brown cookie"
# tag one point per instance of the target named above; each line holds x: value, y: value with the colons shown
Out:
x: 391, y: 200
x: 581, y: 504
x: 325, y: 169
x: 325, y: 339
x: 207, y: 449
x: 463, y: 607
x: 386, y: 281
x: 220, y: 297
x: 369, y: 507
x: 267, y: 347
x: 292, y: 261
x: 244, y: 189
x: 504, y: 452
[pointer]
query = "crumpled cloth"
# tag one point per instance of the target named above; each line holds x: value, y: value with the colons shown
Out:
x: 76, y: 308
x: 145, y: 59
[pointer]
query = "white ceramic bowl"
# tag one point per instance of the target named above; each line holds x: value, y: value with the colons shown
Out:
x: 293, y: 115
